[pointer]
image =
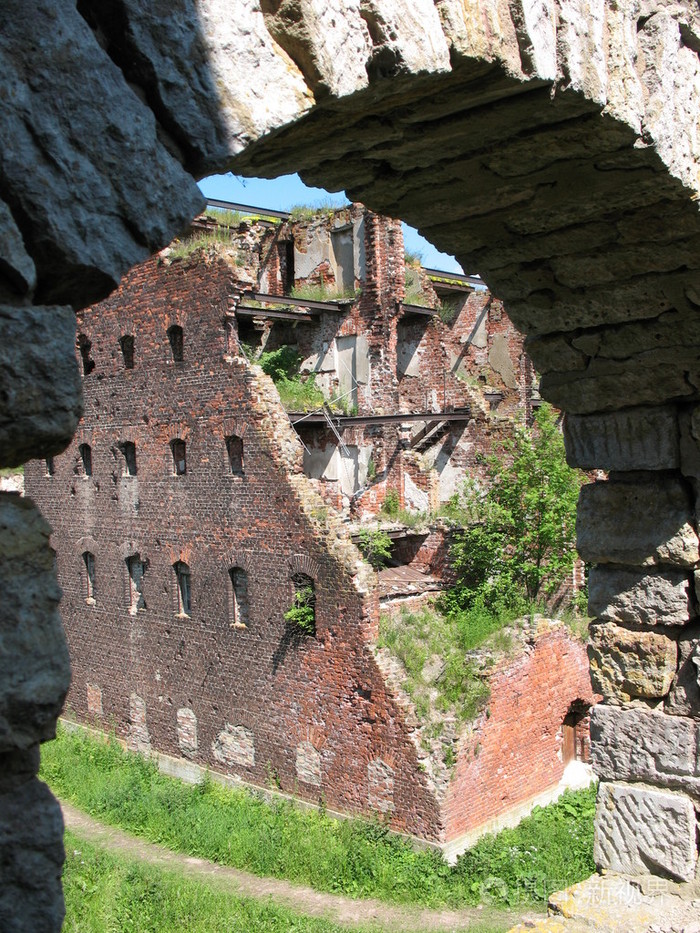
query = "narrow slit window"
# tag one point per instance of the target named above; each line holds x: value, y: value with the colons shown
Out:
x: 129, y: 452
x: 234, y: 450
x: 179, y: 449
x: 136, y: 571
x: 177, y: 347
x: 184, y: 589
x: 84, y: 346
x: 127, y: 344
x: 89, y: 565
x: 86, y: 459
x: 50, y: 466
x: 239, y: 597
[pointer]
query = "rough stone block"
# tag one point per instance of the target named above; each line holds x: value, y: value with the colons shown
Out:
x: 684, y: 696
x: 34, y: 665
x: 689, y: 422
x: 642, y: 523
x: 633, y: 439
x: 627, y: 595
x: 641, y: 831
x: 626, y: 665
x: 15, y: 263
x: 40, y: 388
x: 235, y: 745
x: 98, y: 220
x: 187, y: 732
x: 31, y: 856
x: 308, y: 764
x: 641, y: 745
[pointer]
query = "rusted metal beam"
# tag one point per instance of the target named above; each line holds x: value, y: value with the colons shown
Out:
x: 347, y: 421
x: 295, y: 302
x: 247, y: 209
x: 299, y: 316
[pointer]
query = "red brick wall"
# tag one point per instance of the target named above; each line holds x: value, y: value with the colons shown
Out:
x: 515, y: 751
x: 325, y: 692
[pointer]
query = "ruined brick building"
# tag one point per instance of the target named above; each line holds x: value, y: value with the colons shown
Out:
x: 191, y: 507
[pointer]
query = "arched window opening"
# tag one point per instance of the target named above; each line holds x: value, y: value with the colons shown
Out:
x: 576, y: 733
x: 89, y: 576
x: 128, y: 449
x: 301, y: 615
x: 84, y: 346
x: 50, y: 466
x: 239, y: 597
x: 179, y: 449
x: 183, y: 589
x: 85, y: 452
x: 127, y: 344
x: 177, y: 348
x: 136, y: 570
x: 234, y: 450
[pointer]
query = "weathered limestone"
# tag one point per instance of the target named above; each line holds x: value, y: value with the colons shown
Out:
x: 628, y: 665
x: 640, y: 745
x: 639, y: 829
x: 35, y: 666
x: 40, y: 391
x: 643, y: 523
x: 684, y: 697
x: 31, y: 855
x: 85, y: 176
x: 637, y: 597
x: 633, y: 439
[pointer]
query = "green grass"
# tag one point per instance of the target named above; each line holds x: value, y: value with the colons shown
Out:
x: 12, y: 471
x: 323, y: 292
x: 323, y: 208
x: 108, y: 893
x: 229, y: 218
x: 353, y: 857
x: 417, y: 638
x: 181, y: 249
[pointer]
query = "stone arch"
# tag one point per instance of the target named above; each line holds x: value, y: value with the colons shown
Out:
x: 560, y: 166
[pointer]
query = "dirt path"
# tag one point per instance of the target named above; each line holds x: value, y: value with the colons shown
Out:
x: 303, y: 900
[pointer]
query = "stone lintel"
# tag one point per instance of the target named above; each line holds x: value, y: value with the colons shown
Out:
x: 631, y: 439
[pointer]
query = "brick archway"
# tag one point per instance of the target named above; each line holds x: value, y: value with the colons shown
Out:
x: 556, y: 155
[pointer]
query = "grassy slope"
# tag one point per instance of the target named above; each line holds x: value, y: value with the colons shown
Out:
x: 106, y: 893
x: 552, y: 848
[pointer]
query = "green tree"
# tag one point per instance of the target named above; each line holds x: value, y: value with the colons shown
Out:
x: 519, y: 539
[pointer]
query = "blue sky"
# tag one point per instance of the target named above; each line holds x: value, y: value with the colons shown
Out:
x: 288, y: 191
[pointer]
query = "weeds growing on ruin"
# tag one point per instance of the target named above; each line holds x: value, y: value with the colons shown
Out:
x: 375, y: 547
x: 301, y: 615
x: 323, y: 292
x: 439, y: 673
x: 547, y: 851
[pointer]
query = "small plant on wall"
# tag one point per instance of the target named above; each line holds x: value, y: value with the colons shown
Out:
x: 375, y: 547
x: 301, y: 615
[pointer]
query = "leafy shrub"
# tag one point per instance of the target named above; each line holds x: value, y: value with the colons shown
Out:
x: 375, y: 547
x: 521, y: 540
x: 302, y: 612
